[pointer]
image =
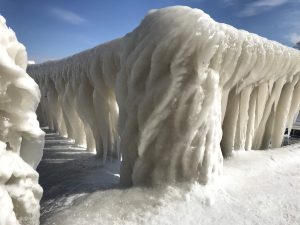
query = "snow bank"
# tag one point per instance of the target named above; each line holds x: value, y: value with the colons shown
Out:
x: 181, y: 81
x: 21, y: 139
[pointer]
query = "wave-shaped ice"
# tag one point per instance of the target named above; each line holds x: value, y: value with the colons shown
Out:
x: 21, y: 139
x: 187, y: 89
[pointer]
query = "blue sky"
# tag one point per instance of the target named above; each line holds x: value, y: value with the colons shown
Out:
x: 52, y: 29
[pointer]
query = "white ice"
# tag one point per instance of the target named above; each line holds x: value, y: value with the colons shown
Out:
x: 21, y: 139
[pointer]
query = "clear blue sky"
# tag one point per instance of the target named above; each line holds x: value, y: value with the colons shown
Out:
x: 52, y: 29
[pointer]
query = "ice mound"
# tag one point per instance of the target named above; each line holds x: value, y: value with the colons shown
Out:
x: 21, y: 139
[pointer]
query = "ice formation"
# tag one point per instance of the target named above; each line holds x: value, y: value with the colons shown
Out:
x: 182, y: 88
x: 78, y: 97
x: 21, y: 139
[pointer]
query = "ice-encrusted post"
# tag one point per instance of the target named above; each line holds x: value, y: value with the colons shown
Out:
x: 170, y: 100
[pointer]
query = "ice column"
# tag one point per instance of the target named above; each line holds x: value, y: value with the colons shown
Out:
x: 170, y: 100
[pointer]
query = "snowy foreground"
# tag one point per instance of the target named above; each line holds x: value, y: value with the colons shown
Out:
x: 258, y: 187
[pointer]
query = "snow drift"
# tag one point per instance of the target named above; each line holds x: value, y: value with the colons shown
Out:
x: 183, y: 88
x: 21, y: 139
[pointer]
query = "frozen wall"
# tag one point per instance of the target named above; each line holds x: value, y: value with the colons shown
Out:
x: 21, y: 139
x: 188, y: 89
x: 78, y: 97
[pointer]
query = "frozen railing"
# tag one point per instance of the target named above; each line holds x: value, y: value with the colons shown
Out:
x: 183, y: 88
x: 21, y: 139
x: 78, y: 97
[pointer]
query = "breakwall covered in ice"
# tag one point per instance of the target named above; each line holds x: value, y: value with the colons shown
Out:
x: 173, y: 96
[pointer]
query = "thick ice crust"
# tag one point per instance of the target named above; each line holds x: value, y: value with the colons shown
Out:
x: 21, y: 139
x: 186, y: 87
x: 20, y: 192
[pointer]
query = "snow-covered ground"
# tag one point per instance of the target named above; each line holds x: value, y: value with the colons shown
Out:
x: 258, y: 187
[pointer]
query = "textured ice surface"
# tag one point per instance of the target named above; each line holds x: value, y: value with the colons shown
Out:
x: 187, y: 88
x: 21, y: 139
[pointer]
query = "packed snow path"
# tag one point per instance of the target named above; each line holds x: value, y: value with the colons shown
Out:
x: 68, y: 172
x: 177, y: 86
